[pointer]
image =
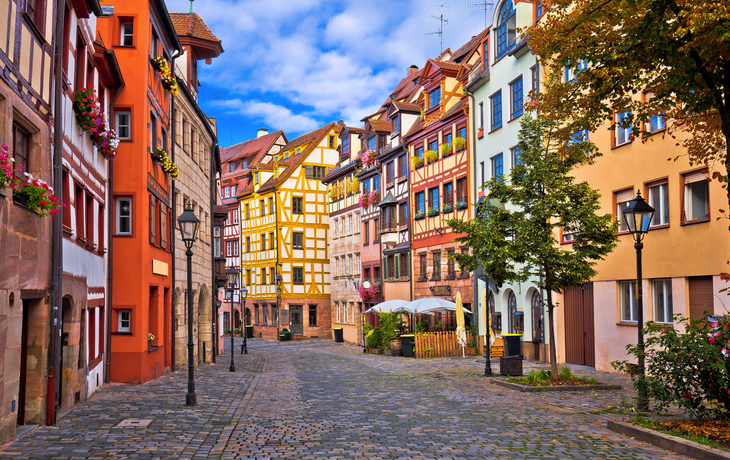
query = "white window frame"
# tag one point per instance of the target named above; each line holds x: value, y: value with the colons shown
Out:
x: 623, y: 197
x: 124, y: 33
x: 346, y: 306
x: 121, y: 320
x: 622, y: 136
x: 119, y: 217
x: 120, y: 126
x: 660, y: 203
x: 690, y: 180
x: 661, y: 290
x: 627, y: 292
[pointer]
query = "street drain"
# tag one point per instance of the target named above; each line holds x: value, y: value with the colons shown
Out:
x: 134, y: 423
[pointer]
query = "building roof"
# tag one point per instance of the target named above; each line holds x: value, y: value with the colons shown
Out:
x: 380, y: 125
x: 251, y: 147
x: 468, y: 46
x: 190, y: 25
x: 407, y: 107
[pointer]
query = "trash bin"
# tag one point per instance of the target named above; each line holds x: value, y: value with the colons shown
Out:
x: 407, y: 344
x: 249, y: 332
x: 338, y: 335
x: 512, y: 344
x: 510, y: 365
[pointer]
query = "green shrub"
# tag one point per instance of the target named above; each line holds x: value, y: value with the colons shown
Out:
x: 285, y: 335
x: 690, y: 369
x: 375, y: 338
x: 226, y: 331
x: 421, y: 327
x: 535, y: 378
x: 565, y: 373
x: 236, y: 331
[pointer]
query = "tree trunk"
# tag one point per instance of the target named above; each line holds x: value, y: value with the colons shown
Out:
x: 551, y: 328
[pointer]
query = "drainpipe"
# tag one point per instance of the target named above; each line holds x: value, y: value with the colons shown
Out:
x: 110, y: 252
x: 57, y: 223
x: 475, y: 279
x: 213, y: 285
x: 173, y: 207
x: 278, y: 304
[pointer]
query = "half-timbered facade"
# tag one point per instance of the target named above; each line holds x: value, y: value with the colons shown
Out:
x: 285, y: 262
x: 195, y: 151
x: 141, y: 321
x: 88, y: 65
x: 236, y: 161
x: 343, y: 190
x: 440, y: 162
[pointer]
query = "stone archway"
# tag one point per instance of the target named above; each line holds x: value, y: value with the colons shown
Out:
x: 205, y: 326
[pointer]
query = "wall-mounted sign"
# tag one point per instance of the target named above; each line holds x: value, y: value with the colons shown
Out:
x: 442, y: 290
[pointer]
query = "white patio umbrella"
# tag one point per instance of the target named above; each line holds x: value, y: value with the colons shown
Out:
x: 460, y: 329
x: 430, y: 304
x: 389, y: 306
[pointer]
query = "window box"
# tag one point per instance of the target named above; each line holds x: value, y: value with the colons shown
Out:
x: 416, y: 162
x: 461, y: 205
x: 433, y: 212
x: 401, y: 179
x: 460, y: 142
x: 430, y: 156
x: 419, y: 216
x: 446, y: 150
x: 448, y: 208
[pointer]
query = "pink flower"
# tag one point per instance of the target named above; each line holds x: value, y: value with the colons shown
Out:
x: 712, y: 340
x: 665, y: 329
x: 686, y: 395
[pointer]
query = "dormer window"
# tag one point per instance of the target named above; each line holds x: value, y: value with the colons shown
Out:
x: 396, y: 125
x: 371, y: 143
x: 434, y: 97
x: 506, y: 28
x: 233, y: 167
x: 346, y: 144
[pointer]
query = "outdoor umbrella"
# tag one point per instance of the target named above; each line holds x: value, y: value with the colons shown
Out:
x: 389, y: 306
x: 460, y: 330
x: 430, y: 304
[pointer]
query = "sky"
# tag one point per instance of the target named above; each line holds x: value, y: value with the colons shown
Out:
x: 297, y: 65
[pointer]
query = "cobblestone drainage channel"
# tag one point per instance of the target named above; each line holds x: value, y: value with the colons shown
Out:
x: 135, y: 423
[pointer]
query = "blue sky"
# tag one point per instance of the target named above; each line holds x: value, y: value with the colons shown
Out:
x: 299, y: 64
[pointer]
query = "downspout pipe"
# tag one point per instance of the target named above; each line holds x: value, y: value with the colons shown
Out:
x: 57, y: 223
x: 215, y: 169
x: 173, y: 207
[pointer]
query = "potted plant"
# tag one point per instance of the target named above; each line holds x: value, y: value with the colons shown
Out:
x: 35, y: 194
x: 445, y: 150
x: 419, y: 215
x: 430, y: 156
x: 365, y: 200
x: 237, y: 332
x: 150, y: 337
x: 433, y: 212
x: 284, y: 335
x: 459, y: 143
x: 167, y: 165
x: 461, y: 204
x: 374, y: 197
x: 448, y: 207
x: 416, y: 162
x: 226, y: 332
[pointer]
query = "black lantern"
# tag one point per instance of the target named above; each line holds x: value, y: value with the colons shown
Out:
x: 244, y: 345
x: 188, y: 223
x: 638, y: 215
x: 232, y: 274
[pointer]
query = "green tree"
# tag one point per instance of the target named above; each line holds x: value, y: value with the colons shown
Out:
x: 677, y: 51
x: 520, y: 239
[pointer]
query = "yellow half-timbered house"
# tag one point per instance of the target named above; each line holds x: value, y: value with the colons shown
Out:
x: 284, y: 247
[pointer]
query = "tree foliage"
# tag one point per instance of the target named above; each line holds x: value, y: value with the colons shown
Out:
x: 519, y: 239
x: 666, y: 58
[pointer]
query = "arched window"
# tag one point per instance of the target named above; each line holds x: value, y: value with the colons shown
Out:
x: 537, y: 317
x: 506, y: 28
x: 511, y: 310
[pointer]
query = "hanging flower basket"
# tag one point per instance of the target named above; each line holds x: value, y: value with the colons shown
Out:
x: 368, y: 159
x: 161, y: 65
x: 355, y: 185
x: 374, y: 197
x: 93, y: 121
x: 445, y: 149
x: 369, y: 290
x: 36, y: 195
x: 7, y: 169
x: 364, y: 200
x: 168, y: 166
x: 448, y: 208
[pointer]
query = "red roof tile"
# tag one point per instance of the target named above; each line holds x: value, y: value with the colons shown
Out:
x: 378, y: 125
x: 468, y: 46
x: 190, y: 25
x: 407, y: 107
x: 257, y: 147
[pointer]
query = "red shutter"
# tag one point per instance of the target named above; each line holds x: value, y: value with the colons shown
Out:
x: 163, y: 226
x: 152, y: 223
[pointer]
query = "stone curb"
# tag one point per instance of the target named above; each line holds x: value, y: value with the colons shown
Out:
x: 529, y: 388
x: 666, y: 441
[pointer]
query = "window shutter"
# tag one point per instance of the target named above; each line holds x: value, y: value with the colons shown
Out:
x: 696, y: 176
x: 152, y: 219
x: 163, y: 226
x: 396, y: 267
x: 625, y: 195
x: 385, y: 268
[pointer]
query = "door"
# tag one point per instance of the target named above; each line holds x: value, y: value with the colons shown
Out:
x: 295, y: 315
x: 579, y: 335
x: 538, y: 315
x: 23, y: 364
x: 701, y: 298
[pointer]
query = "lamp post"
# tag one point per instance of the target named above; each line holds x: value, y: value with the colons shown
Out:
x: 188, y: 224
x: 638, y: 215
x: 244, y: 294
x: 232, y: 274
x: 278, y: 302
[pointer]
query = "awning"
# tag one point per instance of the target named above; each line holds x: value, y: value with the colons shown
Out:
x: 401, y: 248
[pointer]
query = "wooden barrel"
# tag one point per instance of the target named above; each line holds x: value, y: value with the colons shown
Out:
x: 396, y: 346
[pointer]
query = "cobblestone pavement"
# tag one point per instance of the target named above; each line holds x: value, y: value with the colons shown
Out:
x: 315, y: 399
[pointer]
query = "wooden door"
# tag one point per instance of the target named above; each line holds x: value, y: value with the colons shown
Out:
x: 296, y: 326
x: 23, y: 364
x: 701, y: 298
x: 579, y: 334
x: 538, y: 317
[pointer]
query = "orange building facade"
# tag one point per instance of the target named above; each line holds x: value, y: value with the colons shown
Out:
x: 142, y: 222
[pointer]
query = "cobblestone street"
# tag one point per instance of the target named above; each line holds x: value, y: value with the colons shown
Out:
x: 316, y: 399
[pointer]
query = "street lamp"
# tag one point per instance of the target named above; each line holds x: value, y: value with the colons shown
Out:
x: 232, y: 274
x: 278, y: 301
x: 188, y: 223
x: 244, y: 294
x: 638, y: 215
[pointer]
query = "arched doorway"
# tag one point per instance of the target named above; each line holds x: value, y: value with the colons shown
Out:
x: 248, y: 316
x: 237, y: 319
x: 67, y: 361
x: 537, y: 313
x: 511, y: 310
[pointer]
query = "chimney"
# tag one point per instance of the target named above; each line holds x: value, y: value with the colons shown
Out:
x: 262, y: 132
x: 412, y: 69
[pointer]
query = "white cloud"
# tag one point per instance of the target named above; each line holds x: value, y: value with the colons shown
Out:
x: 270, y: 114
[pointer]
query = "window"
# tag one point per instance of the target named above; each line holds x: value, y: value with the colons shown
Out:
x: 346, y: 144
x: 125, y: 321
x: 263, y: 241
x: 366, y: 233
x: 696, y: 196
x: 481, y: 168
x: 124, y: 216
x: 390, y: 267
x: 298, y: 240
x: 371, y: 143
x: 80, y: 62
x: 434, y: 97
x: 226, y: 192
x: 395, y: 128
x: 376, y: 230
x: 332, y: 142
x: 419, y: 153
x: 515, y: 155
x: 298, y: 275
x: 350, y: 266
x: 505, y: 28
x: 216, y: 242
x: 420, y: 202
x: 461, y: 132
x: 535, y: 77
x: 659, y: 200
x: 424, y: 266
x: 570, y: 232
x: 538, y: 8
x: 498, y: 167
x: 451, y: 264
x: 389, y: 217
x: 571, y: 72
x: 357, y: 222
x: 235, y: 248
x: 229, y: 248
x: 312, y: 315
x: 235, y: 216
x: 434, y: 145
x: 622, y: 128
x: 296, y: 204
x: 127, y: 34
x: 447, y: 141
x: 464, y: 273
x: 496, y: 101
x: 315, y: 172
x: 657, y: 123
x: 337, y: 266
x: 20, y: 149
x: 249, y: 278
x: 403, y: 214
x: 662, y: 297
x: 233, y: 191
x: 461, y: 189
x: 263, y: 275
x: 433, y: 195
x: 516, y: 97
x: 390, y: 172
x: 436, y: 266
x: 79, y: 207
x: 403, y: 262
x: 622, y: 201
x: 448, y: 194
x: 357, y: 263
x: 376, y: 184
x: 481, y: 114
x: 402, y: 166
x: 154, y: 45
x: 272, y: 240
x: 349, y: 226
x: 262, y: 207
x: 265, y: 308
x: 629, y: 310
x: 271, y: 205
x: 247, y: 211
x: 339, y: 317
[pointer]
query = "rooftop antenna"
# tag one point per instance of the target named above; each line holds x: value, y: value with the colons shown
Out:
x: 440, y: 32
x: 484, y: 4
